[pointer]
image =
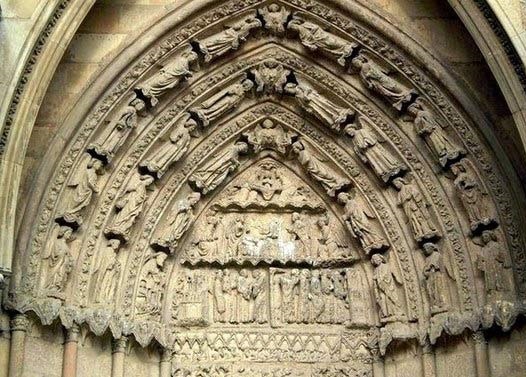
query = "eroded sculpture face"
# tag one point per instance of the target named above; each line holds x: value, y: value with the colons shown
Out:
x: 262, y: 213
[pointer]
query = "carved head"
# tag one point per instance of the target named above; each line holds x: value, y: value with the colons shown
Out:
x: 160, y: 258
x: 193, y: 198
x: 273, y: 8
x: 398, y: 183
x: 114, y: 243
x: 95, y: 164
x: 344, y: 197
x: 488, y: 236
x: 295, y: 272
x: 65, y: 232
x: 296, y: 22
x: 296, y: 217
x: 256, y: 273
x: 243, y: 273
x: 241, y: 147
x: 324, y: 220
x: 146, y: 179
x: 377, y: 260
x: 350, y: 129
x: 138, y: 104
x: 429, y: 248
x: 247, y: 85
x: 268, y: 124
x: 190, y: 55
x: 291, y: 88
x: 315, y: 274
x: 458, y: 168
x: 416, y: 107
x: 297, y: 147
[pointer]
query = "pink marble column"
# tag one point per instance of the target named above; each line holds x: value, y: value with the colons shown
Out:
x: 69, y: 363
x: 19, y: 324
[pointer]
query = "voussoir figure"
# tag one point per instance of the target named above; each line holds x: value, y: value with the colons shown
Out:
x: 59, y: 262
x: 435, y: 277
x: 314, y: 37
x: 106, y: 273
x: 168, y: 77
x: 385, y: 289
x: 229, y: 39
x: 222, y: 102
x: 212, y: 175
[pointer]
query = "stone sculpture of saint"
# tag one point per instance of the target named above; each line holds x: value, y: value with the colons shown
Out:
x: 116, y: 133
x: 219, y: 298
x: 173, y: 149
x: 85, y: 183
x: 435, y: 270
x: 300, y: 234
x: 106, y: 273
x: 228, y: 39
x: 319, y: 106
x: 341, y: 311
x: 129, y: 207
x: 244, y: 296
x: 412, y: 201
x: 168, y: 77
x: 367, y: 146
x: 377, y: 80
x: 330, y: 181
x: 275, y: 17
x: 181, y: 221
x: 314, y: 37
x: 59, y: 262
x: 385, y: 289
x: 473, y: 197
x: 259, y: 288
x: 212, y: 175
x: 332, y: 243
x: 316, y: 297
x: 222, y: 102
x: 358, y: 220
x: 151, y: 284
x: 430, y: 130
x: 493, y: 263
x: 288, y: 283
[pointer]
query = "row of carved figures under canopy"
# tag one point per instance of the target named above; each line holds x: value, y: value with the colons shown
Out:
x: 262, y: 215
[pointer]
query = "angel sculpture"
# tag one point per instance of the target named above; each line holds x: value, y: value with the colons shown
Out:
x: 129, y: 207
x: 151, y: 284
x: 213, y: 174
x: 106, y: 273
x: 180, y: 223
x: 415, y: 207
x: 428, y: 127
x: 229, y: 39
x: 222, y: 102
x: 114, y: 136
x: 173, y: 149
x: 314, y: 37
x: 358, y: 218
x: 378, y: 80
x: 368, y: 147
x: 332, y: 244
x: 474, y: 198
x: 85, y: 182
x: 275, y: 17
x: 270, y: 135
x: 270, y: 76
x: 385, y: 279
x: 316, y: 167
x: 436, y: 270
x: 493, y: 262
x: 168, y: 77
x: 59, y: 261
x: 321, y: 107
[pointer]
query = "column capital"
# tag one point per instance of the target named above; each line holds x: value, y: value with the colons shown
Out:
x: 72, y: 334
x: 19, y: 322
x: 119, y: 345
x: 479, y: 337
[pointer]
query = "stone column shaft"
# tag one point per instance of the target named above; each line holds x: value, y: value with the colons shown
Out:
x: 69, y: 364
x: 118, y: 356
x: 481, y: 355
x: 19, y: 325
x: 428, y: 361
x: 165, y: 364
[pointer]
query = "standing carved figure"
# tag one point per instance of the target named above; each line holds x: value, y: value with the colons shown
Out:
x: 429, y: 129
x: 222, y: 102
x: 314, y: 37
x: 376, y: 79
x: 493, y: 262
x: 244, y: 296
x: 118, y: 131
x: 129, y: 207
x: 327, y: 290
x: 180, y: 223
x: 435, y: 277
x: 473, y: 197
x: 59, y: 262
x: 385, y: 289
x: 415, y: 207
x: 173, y: 149
x: 330, y: 181
x: 229, y: 39
x: 300, y: 234
x: 341, y: 311
x: 259, y: 289
x: 169, y: 76
x: 151, y: 284
x: 321, y: 107
x: 288, y: 283
x: 367, y: 146
x: 85, y: 183
x: 219, y: 297
x: 106, y: 273
x: 357, y: 218
x: 332, y: 243
x: 212, y: 175
x: 304, y: 314
x: 275, y: 18
x: 317, y: 300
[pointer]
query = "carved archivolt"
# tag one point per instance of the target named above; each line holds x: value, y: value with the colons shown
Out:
x: 288, y: 170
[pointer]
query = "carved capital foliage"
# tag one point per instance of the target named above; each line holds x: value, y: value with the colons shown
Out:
x: 273, y: 193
